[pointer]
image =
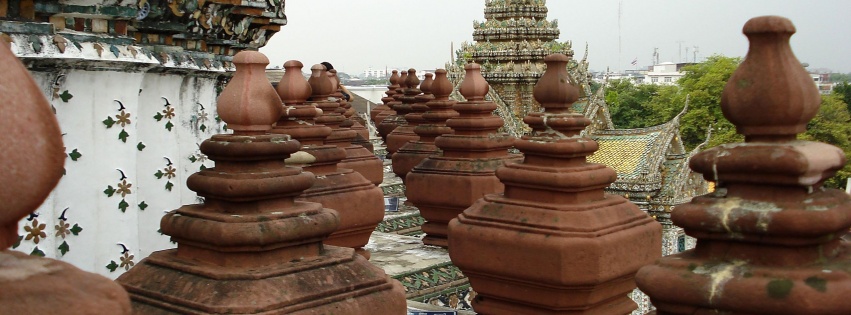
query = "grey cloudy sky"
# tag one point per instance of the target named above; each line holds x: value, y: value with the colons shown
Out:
x: 357, y: 34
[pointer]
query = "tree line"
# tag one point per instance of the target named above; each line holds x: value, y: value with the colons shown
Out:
x: 643, y: 105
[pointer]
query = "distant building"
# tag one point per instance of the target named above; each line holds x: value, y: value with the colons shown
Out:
x: 666, y: 73
x: 377, y: 73
x: 822, y: 82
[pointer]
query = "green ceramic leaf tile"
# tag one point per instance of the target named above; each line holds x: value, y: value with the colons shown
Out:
x: 75, y: 155
x: 76, y: 229
x: 64, y: 248
x: 112, y: 266
x: 65, y: 96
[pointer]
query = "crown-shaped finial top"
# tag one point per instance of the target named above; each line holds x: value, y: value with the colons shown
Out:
x: 249, y: 104
x: 556, y: 90
x: 293, y: 88
x: 770, y: 97
x: 411, y: 81
x: 322, y: 87
x: 394, y: 78
x: 403, y: 76
x: 474, y: 87
x: 425, y: 86
x: 441, y: 87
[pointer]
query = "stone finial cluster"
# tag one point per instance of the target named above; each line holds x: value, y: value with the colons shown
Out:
x: 443, y: 186
x: 390, y: 122
x: 298, y: 117
x: 378, y: 113
x: 586, y: 244
x: 31, y: 165
x: 251, y: 247
x: 404, y: 131
x: 431, y: 123
x: 360, y: 204
x: 358, y: 157
x: 769, y: 237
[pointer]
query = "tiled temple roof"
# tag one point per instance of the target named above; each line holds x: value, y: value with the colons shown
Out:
x: 637, y: 155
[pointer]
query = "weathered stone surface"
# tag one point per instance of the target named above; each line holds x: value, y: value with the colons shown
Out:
x: 357, y: 158
x: 30, y: 166
x: 406, y: 112
x: 360, y: 204
x: 394, y: 118
x: 554, y: 242
x: 443, y: 186
x: 428, y: 121
x: 251, y: 247
x: 769, y: 238
x: 378, y: 113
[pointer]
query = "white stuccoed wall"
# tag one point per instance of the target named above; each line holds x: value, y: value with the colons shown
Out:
x: 95, y: 96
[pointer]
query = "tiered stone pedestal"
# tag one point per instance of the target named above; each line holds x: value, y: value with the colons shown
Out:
x: 429, y: 123
x: 393, y: 118
x: 250, y: 247
x: 769, y: 238
x: 378, y: 113
x: 358, y: 202
x: 406, y: 111
x: 443, y: 186
x: 357, y: 158
x: 554, y: 242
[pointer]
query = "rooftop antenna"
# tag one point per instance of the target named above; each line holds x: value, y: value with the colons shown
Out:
x: 655, y: 58
x: 696, y: 49
x: 620, y: 11
x: 680, y: 43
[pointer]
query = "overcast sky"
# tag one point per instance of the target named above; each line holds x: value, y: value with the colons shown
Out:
x: 357, y: 34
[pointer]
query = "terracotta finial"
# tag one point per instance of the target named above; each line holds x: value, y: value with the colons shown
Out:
x: 770, y: 238
x: 766, y: 98
x: 425, y: 86
x: 401, y: 81
x: 394, y: 78
x: 249, y: 104
x: 293, y: 88
x: 556, y: 90
x: 411, y: 81
x: 319, y: 82
x: 441, y: 87
x: 474, y: 87
x: 31, y: 164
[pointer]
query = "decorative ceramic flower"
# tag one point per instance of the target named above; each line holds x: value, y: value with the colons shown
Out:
x: 168, y: 112
x: 124, y: 188
x: 169, y: 172
x: 62, y: 229
x: 126, y: 261
x: 123, y: 118
x: 35, y: 231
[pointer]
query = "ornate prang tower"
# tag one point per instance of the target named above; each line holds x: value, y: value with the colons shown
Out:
x: 511, y: 45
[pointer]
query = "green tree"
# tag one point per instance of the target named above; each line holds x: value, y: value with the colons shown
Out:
x: 832, y: 125
x: 840, y: 77
x: 843, y: 90
x: 628, y: 103
x: 703, y: 83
